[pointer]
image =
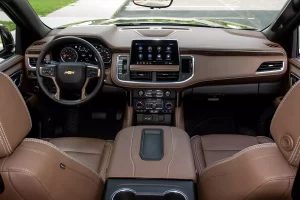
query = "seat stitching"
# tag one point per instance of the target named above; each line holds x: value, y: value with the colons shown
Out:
x: 172, y: 153
x: 267, y: 181
x: 13, y: 187
x: 54, y: 160
x: 282, y: 102
x: 5, y: 144
x: 21, y: 97
x: 59, y: 150
x: 296, y: 158
x: 131, y: 151
x: 107, y: 160
x: 265, y: 138
x: 32, y: 175
x: 5, y: 139
x: 197, y: 153
x: 294, y: 151
x: 239, y: 154
x: 83, y: 152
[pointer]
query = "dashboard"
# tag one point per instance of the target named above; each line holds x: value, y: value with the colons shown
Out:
x: 171, y: 56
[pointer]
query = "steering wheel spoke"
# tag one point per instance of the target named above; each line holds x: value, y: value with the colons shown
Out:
x: 92, y: 71
x: 48, y: 71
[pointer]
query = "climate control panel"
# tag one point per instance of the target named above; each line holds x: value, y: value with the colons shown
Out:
x: 154, y: 106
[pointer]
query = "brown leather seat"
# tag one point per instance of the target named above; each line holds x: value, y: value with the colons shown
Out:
x: 211, y: 148
x: 62, y: 168
x: 234, y: 167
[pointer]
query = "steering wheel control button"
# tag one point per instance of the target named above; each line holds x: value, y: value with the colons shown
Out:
x: 92, y: 72
x: 47, y: 71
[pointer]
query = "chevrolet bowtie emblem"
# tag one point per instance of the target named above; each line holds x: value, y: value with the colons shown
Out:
x: 69, y: 72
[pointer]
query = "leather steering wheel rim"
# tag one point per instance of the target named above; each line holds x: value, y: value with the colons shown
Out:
x: 55, y: 97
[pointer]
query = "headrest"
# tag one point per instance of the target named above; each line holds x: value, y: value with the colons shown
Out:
x: 15, y: 121
x: 285, y: 126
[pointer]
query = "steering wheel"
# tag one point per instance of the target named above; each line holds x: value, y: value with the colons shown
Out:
x: 71, y: 76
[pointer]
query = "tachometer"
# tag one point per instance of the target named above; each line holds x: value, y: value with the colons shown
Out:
x: 104, y: 52
x: 68, y: 54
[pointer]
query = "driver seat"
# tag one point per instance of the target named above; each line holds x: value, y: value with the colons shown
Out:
x: 33, y: 169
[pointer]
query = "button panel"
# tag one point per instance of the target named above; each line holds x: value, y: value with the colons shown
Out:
x: 47, y: 71
x: 92, y: 72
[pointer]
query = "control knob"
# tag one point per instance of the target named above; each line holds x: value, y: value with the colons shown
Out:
x: 139, y: 104
x: 168, y: 105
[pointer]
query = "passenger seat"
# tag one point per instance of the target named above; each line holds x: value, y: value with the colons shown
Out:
x: 209, y: 149
x: 236, y: 167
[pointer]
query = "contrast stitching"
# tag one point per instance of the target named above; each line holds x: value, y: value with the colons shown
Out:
x: 239, y: 154
x: 3, y: 144
x: 131, y: 151
x: 266, y: 138
x: 18, y: 92
x: 12, y: 185
x: 282, y: 102
x: 5, y: 139
x: 107, y: 161
x: 172, y: 153
x: 296, y: 158
x: 294, y: 151
x: 55, y: 161
x: 59, y: 150
x: 32, y: 175
x: 267, y: 181
x: 197, y: 154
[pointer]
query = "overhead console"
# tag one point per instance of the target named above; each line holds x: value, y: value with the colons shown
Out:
x: 154, y: 61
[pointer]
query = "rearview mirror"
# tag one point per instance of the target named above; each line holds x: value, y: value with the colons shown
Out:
x: 153, y: 3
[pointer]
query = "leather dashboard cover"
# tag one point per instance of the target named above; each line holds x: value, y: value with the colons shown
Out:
x: 177, y: 162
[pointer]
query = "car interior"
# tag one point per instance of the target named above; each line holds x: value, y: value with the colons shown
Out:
x: 149, y: 111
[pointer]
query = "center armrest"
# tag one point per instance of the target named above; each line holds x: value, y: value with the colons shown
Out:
x: 176, y: 162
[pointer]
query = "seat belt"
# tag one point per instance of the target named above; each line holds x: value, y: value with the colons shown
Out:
x: 296, y: 187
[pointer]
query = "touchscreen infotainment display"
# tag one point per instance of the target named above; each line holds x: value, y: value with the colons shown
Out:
x: 154, y: 52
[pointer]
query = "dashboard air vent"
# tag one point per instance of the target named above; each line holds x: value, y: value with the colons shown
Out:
x: 141, y: 76
x: 270, y: 66
x: 272, y: 45
x: 167, y: 76
x: 32, y: 61
x: 38, y: 43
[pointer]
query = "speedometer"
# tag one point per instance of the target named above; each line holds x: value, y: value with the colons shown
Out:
x: 68, y: 54
x: 104, y: 52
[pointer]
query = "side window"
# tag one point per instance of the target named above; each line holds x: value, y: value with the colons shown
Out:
x: 7, y: 37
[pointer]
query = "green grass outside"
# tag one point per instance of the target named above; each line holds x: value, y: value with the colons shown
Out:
x: 45, y: 7
x: 10, y: 25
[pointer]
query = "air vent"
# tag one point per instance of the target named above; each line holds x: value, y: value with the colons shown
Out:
x: 167, y: 76
x: 32, y: 61
x: 270, y: 66
x: 141, y: 76
x: 33, y: 52
x: 38, y: 43
x: 272, y: 45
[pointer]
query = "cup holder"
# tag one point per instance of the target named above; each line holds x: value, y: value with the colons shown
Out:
x: 129, y: 194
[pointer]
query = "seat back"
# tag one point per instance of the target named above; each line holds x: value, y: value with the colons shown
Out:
x: 264, y: 171
x: 34, y: 169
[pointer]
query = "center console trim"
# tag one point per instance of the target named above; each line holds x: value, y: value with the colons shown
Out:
x: 157, y: 83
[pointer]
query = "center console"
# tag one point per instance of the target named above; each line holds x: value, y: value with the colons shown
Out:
x: 151, y: 162
x: 154, y: 63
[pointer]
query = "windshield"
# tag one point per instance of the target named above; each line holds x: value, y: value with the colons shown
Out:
x: 237, y: 14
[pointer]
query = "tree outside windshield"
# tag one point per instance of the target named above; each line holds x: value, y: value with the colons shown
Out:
x: 257, y: 14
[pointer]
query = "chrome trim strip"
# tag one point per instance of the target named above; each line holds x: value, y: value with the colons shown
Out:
x: 122, y: 190
x: 273, y: 71
x: 177, y: 192
x: 156, y: 83
x: 29, y: 62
